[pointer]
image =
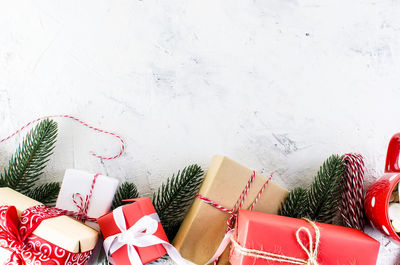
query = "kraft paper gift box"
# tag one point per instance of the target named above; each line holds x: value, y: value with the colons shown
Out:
x: 78, y: 181
x: 61, y: 231
x: 276, y: 235
x: 132, y: 213
x: 204, y: 226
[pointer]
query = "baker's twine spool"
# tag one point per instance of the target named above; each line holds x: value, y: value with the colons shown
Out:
x: 352, y: 207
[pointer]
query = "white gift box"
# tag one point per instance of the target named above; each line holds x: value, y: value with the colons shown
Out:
x: 77, y: 181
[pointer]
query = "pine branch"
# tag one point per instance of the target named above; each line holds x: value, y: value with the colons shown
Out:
x: 102, y: 259
x: 28, y: 162
x: 324, y: 195
x: 296, y: 204
x: 174, y: 197
x: 46, y: 193
x: 125, y: 191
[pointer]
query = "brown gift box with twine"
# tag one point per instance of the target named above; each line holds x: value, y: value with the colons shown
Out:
x: 205, y: 226
x: 62, y: 231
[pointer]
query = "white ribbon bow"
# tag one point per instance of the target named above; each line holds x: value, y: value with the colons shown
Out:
x: 138, y: 235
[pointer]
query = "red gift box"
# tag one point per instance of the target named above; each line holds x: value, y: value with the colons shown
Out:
x: 262, y: 239
x: 132, y: 213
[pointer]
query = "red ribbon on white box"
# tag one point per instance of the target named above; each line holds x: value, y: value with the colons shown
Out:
x: 138, y: 235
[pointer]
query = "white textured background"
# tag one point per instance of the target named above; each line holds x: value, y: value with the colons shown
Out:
x: 277, y: 85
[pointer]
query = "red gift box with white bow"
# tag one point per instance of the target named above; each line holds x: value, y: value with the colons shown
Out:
x: 261, y: 239
x: 134, y: 235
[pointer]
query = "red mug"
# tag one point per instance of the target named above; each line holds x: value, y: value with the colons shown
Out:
x: 377, y: 198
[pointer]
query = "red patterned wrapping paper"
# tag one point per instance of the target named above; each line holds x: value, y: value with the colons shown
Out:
x: 16, y: 236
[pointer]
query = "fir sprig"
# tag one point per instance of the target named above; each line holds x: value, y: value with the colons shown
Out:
x: 29, y: 160
x: 321, y: 202
x: 174, y: 197
x: 125, y: 191
x: 46, y: 193
x: 296, y: 204
x: 324, y: 195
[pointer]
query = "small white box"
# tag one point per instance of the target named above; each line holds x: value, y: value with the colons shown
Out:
x: 77, y: 181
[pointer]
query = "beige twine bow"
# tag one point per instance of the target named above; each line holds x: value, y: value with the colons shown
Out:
x: 312, y: 251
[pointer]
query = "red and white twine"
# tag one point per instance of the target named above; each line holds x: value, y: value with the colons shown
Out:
x: 353, y: 188
x: 239, y: 203
x: 122, y: 142
x: 82, y: 204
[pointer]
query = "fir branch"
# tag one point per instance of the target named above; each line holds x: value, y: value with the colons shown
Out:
x: 295, y: 204
x: 46, y: 193
x: 28, y: 162
x: 324, y: 195
x: 125, y: 191
x: 102, y: 259
x: 174, y: 197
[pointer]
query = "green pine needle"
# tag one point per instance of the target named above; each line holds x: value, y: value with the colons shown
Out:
x: 29, y: 160
x: 296, y: 204
x: 174, y: 197
x: 125, y: 191
x: 324, y: 194
x: 46, y: 193
x: 102, y: 259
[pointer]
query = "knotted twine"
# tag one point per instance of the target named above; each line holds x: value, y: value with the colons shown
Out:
x: 82, y: 204
x: 312, y: 251
x: 239, y: 203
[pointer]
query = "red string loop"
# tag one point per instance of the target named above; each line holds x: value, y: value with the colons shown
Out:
x: 119, y: 138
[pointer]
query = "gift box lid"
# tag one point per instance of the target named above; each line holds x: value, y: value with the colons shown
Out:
x: 277, y: 234
x: 62, y: 231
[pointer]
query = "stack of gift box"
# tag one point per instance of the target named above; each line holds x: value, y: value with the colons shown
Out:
x: 232, y: 220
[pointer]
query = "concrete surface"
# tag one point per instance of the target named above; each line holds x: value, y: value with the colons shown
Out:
x: 278, y: 85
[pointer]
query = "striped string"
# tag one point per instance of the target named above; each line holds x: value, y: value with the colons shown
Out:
x: 353, y: 188
x: 239, y: 203
x: 82, y: 204
x: 260, y: 193
x: 119, y: 138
